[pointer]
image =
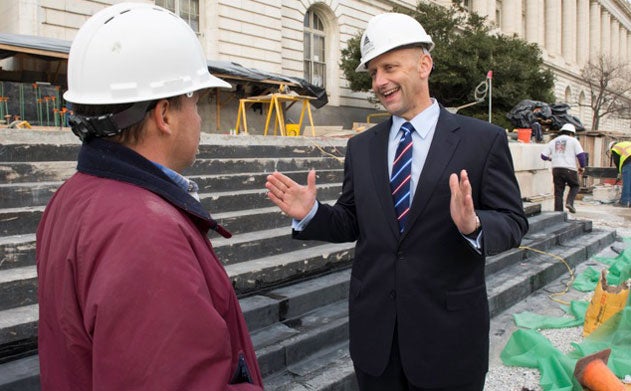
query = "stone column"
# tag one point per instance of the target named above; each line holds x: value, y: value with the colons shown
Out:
x: 534, y: 18
x: 582, y: 32
x: 568, y: 41
x: 615, y: 39
x: 595, y: 40
x: 511, y: 17
x: 624, y: 44
x: 553, y: 32
x: 605, y: 32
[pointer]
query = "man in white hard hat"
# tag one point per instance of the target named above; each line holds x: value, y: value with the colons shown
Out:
x: 131, y: 294
x: 426, y: 196
x: 563, y: 151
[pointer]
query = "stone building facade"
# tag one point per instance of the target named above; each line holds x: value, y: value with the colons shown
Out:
x: 304, y: 38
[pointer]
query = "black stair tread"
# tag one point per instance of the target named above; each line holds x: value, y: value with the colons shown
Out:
x: 263, y: 191
x: 261, y: 273
x: 331, y: 369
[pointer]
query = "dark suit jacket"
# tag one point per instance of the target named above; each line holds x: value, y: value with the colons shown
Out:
x: 429, y: 281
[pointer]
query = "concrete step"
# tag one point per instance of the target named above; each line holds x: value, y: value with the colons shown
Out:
x: 15, y: 195
x: 17, y: 251
x: 18, y: 287
x: 45, y: 171
x: 261, y: 274
x: 49, y: 171
x: 513, y: 283
x: 298, y: 330
x: 17, y: 324
x: 228, y: 149
x: 19, y: 194
x: 227, y: 201
x: 250, y: 181
x: 24, y: 220
x: 249, y: 246
x: 20, y: 221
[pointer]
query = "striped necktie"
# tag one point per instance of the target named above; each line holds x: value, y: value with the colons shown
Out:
x: 401, y: 175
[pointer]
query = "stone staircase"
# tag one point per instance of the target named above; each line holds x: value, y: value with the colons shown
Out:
x: 293, y: 293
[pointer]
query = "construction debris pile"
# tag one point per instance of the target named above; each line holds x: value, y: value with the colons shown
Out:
x: 551, y: 117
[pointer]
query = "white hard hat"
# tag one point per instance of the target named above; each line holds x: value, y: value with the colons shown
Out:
x: 133, y: 52
x: 389, y: 31
x: 568, y: 127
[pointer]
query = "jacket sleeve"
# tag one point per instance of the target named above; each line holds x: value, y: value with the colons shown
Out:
x: 156, y: 315
x: 500, y: 208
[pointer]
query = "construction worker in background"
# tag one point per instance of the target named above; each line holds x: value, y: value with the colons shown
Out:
x: 563, y: 151
x: 620, y: 153
x: 131, y: 293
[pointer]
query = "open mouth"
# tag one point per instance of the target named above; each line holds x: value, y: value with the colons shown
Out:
x: 389, y: 92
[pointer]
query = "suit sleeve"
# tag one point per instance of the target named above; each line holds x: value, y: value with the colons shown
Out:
x: 500, y: 207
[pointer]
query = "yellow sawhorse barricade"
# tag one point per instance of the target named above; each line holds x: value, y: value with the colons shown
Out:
x: 275, y: 102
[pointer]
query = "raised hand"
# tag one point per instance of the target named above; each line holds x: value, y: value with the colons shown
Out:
x: 461, y: 205
x: 293, y: 199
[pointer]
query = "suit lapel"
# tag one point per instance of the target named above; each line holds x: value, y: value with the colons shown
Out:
x: 441, y: 150
x: 379, y: 168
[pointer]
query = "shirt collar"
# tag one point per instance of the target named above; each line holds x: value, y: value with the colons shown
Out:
x: 423, y: 123
x: 178, y: 179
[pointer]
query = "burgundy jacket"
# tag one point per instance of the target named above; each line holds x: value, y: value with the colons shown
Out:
x: 131, y: 293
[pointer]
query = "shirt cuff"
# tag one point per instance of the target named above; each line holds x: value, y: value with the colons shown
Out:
x: 475, y: 243
x: 299, y: 225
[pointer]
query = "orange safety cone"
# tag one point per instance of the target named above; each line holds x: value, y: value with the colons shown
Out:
x: 592, y: 372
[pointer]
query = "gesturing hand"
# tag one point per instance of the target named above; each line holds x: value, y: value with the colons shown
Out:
x: 293, y: 199
x: 461, y: 205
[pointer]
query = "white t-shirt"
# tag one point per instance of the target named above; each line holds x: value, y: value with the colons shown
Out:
x: 562, y: 150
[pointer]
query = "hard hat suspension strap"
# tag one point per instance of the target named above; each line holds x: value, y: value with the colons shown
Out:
x: 108, y: 125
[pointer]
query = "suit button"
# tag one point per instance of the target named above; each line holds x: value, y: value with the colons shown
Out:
x: 393, y: 294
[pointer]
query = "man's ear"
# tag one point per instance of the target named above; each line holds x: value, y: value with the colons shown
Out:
x: 161, y: 116
x: 426, y: 65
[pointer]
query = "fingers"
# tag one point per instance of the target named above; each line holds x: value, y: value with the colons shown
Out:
x: 278, y: 183
x: 311, y: 181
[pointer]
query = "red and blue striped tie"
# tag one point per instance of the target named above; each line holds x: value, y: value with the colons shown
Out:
x: 401, y: 175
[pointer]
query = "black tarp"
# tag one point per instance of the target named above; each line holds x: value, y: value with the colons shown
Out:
x: 552, y: 116
x: 12, y: 44
x: 226, y: 69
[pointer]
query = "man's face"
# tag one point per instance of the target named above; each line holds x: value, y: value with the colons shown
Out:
x: 187, y: 125
x: 399, y: 80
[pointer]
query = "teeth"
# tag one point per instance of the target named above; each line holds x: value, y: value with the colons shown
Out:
x: 389, y: 92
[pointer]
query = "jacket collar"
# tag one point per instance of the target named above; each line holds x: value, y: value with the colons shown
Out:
x: 111, y: 160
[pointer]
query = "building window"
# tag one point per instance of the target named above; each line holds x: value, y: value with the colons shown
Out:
x: 187, y: 9
x: 314, y: 49
x: 466, y: 4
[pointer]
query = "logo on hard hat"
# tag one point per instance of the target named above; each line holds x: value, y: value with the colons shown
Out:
x: 367, y: 45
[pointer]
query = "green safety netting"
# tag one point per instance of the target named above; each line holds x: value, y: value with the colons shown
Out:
x: 528, y: 348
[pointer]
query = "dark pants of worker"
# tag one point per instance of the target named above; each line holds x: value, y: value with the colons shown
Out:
x: 561, y: 178
x: 393, y: 378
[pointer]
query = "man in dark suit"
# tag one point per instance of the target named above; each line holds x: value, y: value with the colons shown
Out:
x: 418, y: 307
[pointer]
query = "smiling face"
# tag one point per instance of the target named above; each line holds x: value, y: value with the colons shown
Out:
x: 400, y: 81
